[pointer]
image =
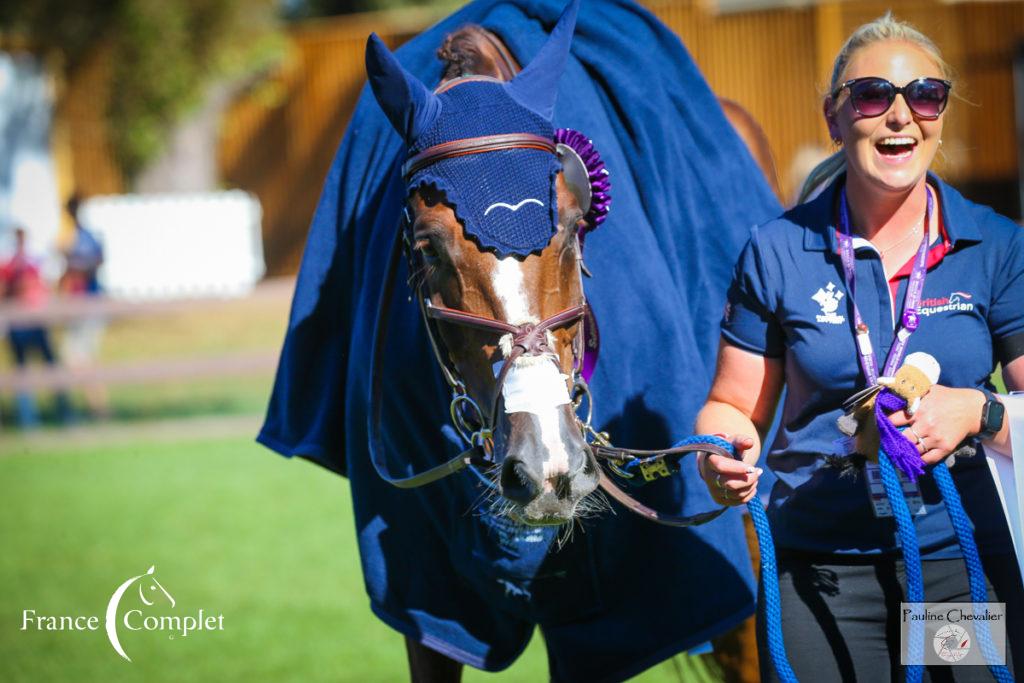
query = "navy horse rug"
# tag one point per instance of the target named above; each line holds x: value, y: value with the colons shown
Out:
x: 441, y: 566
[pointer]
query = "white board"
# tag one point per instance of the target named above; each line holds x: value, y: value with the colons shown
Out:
x: 167, y: 246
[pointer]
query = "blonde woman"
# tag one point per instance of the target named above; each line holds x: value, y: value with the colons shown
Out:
x: 797, y: 316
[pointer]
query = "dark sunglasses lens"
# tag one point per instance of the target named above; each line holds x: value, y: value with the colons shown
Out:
x: 927, y: 97
x: 872, y: 97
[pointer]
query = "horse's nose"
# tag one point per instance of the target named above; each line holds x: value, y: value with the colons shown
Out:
x: 546, y: 458
x: 518, y: 483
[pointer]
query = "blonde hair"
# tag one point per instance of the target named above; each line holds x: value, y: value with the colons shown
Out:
x: 882, y: 29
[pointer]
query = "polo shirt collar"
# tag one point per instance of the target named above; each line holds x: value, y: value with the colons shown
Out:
x: 820, y: 229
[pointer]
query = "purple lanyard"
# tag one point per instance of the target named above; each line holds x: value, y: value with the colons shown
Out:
x: 909, y: 320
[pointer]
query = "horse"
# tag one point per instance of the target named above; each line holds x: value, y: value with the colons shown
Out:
x: 505, y: 325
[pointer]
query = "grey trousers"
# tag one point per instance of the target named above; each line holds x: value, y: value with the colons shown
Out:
x: 840, y: 615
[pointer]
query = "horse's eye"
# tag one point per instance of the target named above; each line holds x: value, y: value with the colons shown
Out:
x: 426, y: 247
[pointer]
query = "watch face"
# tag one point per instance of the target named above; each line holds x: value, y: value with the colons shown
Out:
x: 993, y: 417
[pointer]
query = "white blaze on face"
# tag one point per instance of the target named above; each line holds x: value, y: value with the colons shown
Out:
x: 533, y: 384
x: 508, y: 285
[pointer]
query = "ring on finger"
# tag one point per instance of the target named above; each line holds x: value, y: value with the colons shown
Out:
x: 916, y: 435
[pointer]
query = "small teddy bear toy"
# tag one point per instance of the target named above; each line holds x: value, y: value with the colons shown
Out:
x: 871, y: 427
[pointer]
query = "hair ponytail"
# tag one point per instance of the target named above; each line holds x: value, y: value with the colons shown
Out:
x: 822, y: 174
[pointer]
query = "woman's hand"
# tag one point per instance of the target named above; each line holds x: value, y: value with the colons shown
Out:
x: 731, y: 482
x: 945, y: 417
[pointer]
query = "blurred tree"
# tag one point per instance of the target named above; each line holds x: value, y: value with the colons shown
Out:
x: 165, y: 55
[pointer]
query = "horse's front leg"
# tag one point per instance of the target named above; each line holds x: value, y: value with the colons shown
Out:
x: 428, y: 666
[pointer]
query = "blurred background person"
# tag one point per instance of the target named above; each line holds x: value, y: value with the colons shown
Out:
x: 83, y: 335
x: 22, y: 284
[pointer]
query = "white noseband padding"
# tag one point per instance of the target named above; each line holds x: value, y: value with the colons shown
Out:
x: 534, y: 387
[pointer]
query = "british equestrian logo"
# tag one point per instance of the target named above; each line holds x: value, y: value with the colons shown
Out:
x: 150, y: 593
x: 828, y: 298
x: 956, y: 301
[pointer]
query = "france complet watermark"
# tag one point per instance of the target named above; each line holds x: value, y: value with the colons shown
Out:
x: 130, y: 617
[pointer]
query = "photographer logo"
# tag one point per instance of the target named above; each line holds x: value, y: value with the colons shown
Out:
x: 951, y: 643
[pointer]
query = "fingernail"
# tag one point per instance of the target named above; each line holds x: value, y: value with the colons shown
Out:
x: 750, y: 469
x: 759, y: 471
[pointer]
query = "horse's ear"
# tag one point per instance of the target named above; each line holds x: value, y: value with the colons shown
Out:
x: 536, y: 86
x: 408, y: 104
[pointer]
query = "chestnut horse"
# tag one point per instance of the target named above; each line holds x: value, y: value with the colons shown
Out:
x: 546, y: 468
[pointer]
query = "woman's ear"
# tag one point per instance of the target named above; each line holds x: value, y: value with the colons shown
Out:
x: 830, y: 121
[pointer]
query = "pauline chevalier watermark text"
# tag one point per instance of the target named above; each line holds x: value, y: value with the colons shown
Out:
x: 952, y: 633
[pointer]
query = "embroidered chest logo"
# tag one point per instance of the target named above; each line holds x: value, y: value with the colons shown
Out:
x: 956, y: 301
x: 828, y: 298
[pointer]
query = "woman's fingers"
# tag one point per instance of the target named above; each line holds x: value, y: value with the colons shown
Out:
x: 731, y: 482
x: 742, y: 443
x: 934, y: 455
x: 899, y: 419
x: 730, y: 497
x: 727, y: 466
x: 748, y: 496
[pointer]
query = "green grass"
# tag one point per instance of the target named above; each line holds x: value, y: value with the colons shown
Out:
x: 232, y: 529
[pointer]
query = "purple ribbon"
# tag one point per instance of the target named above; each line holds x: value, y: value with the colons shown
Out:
x: 897, y: 446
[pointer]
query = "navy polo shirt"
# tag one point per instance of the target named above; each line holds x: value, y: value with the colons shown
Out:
x: 788, y: 300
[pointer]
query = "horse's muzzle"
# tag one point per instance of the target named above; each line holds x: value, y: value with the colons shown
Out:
x: 548, y: 468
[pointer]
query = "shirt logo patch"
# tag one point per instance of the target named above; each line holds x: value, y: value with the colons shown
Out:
x: 828, y: 298
x: 956, y: 301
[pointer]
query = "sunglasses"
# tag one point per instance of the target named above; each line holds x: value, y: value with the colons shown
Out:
x: 872, y: 96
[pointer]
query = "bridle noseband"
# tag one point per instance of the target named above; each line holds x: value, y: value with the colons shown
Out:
x: 477, y: 145
x: 529, y: 339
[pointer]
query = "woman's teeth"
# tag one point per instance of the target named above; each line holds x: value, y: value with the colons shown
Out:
x: 896, y: 146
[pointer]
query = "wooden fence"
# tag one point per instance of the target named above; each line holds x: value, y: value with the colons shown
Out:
x: 279, y: 137
x: 62, y: 311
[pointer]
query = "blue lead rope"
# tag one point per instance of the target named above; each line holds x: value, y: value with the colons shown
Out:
x: 769, y: 579
x: 907, y: 535
x: 975, y: 572
x: 770, y: 592
x: 911, y: 559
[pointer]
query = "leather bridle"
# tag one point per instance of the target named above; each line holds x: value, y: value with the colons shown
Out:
x: 476, y: 428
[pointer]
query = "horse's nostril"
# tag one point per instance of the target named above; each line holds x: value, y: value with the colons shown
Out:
x: 517, y: 484
x: 562, y: 485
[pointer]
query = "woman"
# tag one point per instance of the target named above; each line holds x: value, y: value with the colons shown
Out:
x: 790, y: 320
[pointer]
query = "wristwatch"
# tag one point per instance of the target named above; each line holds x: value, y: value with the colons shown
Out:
x: 992, y: 415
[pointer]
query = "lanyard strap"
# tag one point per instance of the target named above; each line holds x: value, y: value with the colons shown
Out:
x: 909, y: 319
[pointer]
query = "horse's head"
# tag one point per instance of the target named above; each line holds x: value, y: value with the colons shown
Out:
x: 492, y: 226
x: 149, y: 586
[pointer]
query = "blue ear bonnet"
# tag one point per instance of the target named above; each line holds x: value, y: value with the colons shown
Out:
x: 505, y: 200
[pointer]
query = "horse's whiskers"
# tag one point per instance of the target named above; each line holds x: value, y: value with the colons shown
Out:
x: 566, y: 531
x: 418, y: 276
x: 593, y: 505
